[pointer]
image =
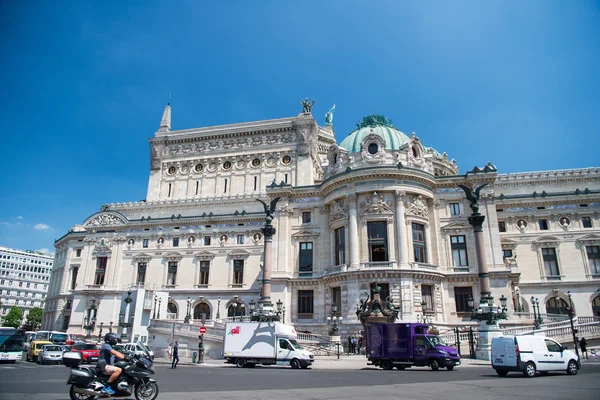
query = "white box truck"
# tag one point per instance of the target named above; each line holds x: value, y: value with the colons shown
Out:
x: 249, y: 343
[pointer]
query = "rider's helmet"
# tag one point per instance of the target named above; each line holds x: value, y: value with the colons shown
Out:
x: 111, y: 338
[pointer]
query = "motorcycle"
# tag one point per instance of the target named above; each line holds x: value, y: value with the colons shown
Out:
x: 135, y: 379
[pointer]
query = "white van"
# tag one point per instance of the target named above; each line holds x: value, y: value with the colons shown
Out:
x: 530, y: 354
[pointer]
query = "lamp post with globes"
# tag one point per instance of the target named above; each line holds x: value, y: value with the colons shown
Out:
x: 334, y: 320
x: 186, y: 320
x: 571, y: 314
x: 537, y: 317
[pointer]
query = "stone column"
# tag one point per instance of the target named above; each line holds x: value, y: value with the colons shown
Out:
x: 268, y: 232
x: 428, y: 243
x: 353, y: 231
x: 484, y: 277
x: 401, y: 233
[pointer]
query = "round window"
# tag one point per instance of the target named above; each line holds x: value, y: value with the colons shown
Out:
x: 286, y: 160
x: 199, y: 167
x: 373, y: 148
x: 227, y: 165
x: 172, y: 170
x: 256, y: 162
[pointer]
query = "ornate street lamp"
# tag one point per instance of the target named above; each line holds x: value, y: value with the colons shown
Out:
x: 218, y: 307
x: 110, y: 327
x: 154, y: 313
x: 571, y: 313
x: 279, y: 306
x: 334, y: 320
x: 91, y: 319
x: 235, y: 305
x: 100, y: 333
x: 159, y: 301
x: 537, y: 317
x: 186, y: 320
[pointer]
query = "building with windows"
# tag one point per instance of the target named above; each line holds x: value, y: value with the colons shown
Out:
x: 24, y: 278
x: 380, y: 206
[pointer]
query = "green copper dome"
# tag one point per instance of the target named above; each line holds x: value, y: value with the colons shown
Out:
x: 382, y: 127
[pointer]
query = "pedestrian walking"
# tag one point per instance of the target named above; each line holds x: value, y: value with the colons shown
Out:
x: 175, y: 355
x: 349, y: 345
x: 359, y: 344
x: 354, y: 344
x: 583, y: 347
x: 170, y: 351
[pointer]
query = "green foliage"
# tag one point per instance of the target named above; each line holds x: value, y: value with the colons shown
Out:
x: 34, y: 317
x: 14, y: 317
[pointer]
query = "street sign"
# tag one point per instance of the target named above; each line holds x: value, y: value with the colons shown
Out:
x: 202, y: 330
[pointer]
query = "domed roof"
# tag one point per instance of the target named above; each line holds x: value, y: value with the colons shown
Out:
x: 377, y: 125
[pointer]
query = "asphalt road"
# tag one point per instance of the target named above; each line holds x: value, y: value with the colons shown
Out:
x: 32, y: 381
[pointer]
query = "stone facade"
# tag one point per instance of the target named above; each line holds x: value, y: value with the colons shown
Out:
x: 24, y: 279
x: 383, y: 208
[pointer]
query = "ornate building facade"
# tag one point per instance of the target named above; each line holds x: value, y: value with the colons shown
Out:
x: 378, y: 207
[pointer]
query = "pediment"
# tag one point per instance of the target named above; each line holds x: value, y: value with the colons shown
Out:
x: 173, y: 256
x: 142, y: 257
x: 592, y: 237
x: 305, y: 234
x: 238, y: 254
x: 456, y: 226
x: 204, y: 255
x: 508, y: 243
x: 546, y: 239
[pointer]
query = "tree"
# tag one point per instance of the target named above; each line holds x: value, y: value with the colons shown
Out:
x: 14, y: 317
x: 34, y: 317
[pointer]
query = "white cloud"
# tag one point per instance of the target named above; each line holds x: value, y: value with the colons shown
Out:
x: 45, y: 250
x: 19, y: 217
x: 41, y: 227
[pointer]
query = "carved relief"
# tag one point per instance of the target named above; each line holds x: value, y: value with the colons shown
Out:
x: 337, y: 211
x: 372, y: 149
x: 521, y: 225
x: 105, y: 220
x: 376, y: 204
x: 102, y: 247
x: 417, y: 207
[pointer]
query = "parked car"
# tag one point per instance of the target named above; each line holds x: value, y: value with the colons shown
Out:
x: 138, y: 348
x: 50, y: 353
x: 89, y: 351
x: 532, y: 354
x: 34, y: 349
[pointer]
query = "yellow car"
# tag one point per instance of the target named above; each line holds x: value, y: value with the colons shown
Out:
x: 34, y: 349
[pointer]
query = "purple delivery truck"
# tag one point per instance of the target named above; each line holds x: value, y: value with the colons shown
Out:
x: 404, y: 345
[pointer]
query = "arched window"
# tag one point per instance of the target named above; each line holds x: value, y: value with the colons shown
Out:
x: 202, y: 308
x: 554, y: 306
x: 596, y: 306
x: 171, y: 310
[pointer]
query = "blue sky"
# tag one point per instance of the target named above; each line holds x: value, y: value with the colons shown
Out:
x: 84, y: 85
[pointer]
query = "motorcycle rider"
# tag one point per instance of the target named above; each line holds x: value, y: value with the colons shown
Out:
x: 106, y: 361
